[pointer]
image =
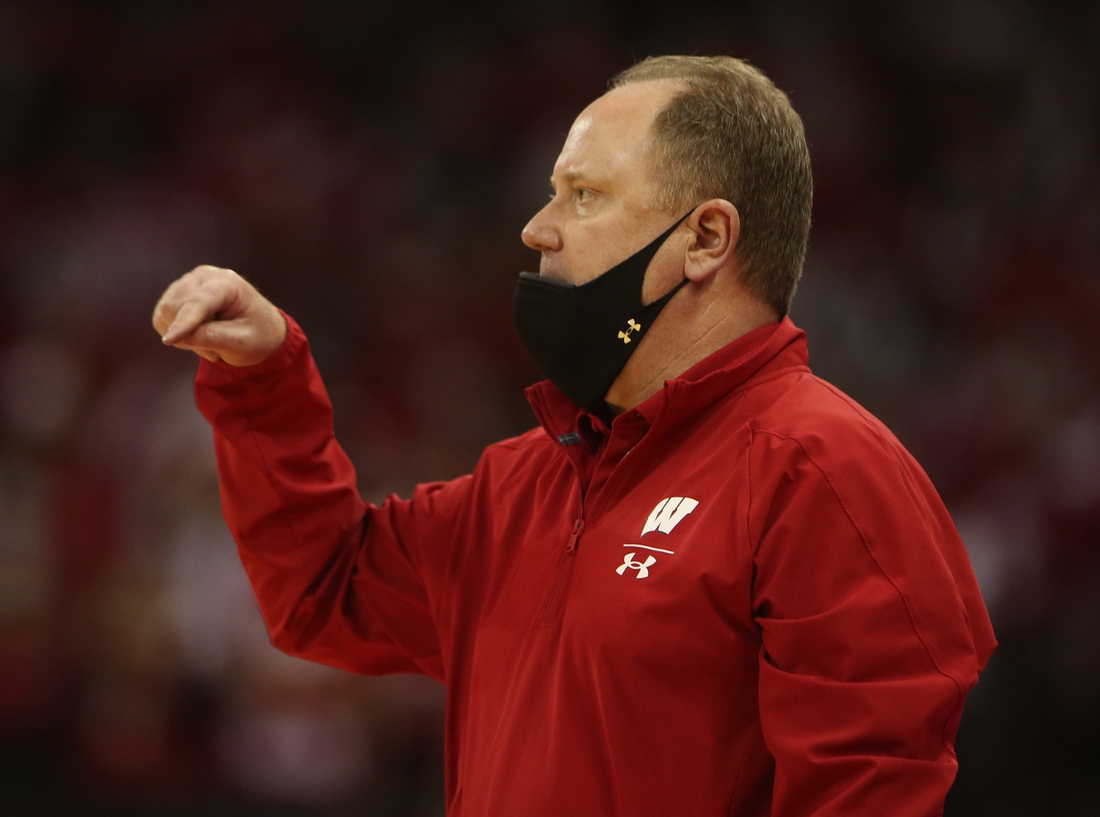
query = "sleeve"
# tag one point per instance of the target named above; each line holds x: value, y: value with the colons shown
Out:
x: 861, y: 591
x: 338, y: 581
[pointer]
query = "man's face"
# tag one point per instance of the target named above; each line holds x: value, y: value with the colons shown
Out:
x: 601, y: 210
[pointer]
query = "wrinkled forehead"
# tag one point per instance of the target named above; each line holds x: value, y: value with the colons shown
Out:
x: 616, y: 130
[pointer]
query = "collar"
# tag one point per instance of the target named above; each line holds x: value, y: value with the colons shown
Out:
x: 767, y: 348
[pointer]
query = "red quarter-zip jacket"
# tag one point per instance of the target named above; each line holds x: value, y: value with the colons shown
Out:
x: 743, y: 598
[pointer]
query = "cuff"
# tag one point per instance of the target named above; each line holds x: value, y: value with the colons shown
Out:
x: 292, y: 346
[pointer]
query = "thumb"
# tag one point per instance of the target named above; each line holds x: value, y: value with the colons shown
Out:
x: 221, y: 336
x: 189, y: 316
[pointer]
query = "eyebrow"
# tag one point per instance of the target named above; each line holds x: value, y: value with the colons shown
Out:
x: 571, y: 177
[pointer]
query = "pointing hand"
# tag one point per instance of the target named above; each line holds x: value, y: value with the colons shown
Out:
x: 217, y: 314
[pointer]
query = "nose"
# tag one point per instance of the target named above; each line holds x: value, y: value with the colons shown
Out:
x: 541, y: 233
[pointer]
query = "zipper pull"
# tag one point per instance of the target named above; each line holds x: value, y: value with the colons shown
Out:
x: 578, y: 527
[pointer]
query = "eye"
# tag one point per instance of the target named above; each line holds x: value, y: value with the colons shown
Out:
x: 581, y: 195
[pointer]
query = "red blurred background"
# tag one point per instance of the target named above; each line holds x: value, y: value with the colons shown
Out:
x: 370, y: 167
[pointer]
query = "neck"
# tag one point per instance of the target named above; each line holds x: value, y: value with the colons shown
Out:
x: 692, y: 327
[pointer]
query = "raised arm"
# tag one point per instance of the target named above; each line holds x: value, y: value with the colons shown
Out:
x: 338, y: 581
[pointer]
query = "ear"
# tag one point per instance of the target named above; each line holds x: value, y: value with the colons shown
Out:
x: 716, y: 225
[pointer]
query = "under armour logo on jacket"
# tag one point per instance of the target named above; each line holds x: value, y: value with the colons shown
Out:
x: 630, y: 563
x: 668, y: 513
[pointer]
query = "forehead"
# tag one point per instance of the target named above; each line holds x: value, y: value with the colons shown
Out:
x: 612, y: 136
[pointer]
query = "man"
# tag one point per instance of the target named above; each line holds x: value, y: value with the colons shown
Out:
x: 708, y: 584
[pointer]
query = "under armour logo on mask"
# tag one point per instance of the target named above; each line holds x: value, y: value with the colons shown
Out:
x: 630, y: 563
x: 631, y: 326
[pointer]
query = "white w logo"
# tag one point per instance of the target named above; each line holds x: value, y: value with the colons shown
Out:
x: 668, y: 513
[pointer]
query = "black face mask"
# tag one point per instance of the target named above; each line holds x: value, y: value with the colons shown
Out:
x: 582, y: 336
